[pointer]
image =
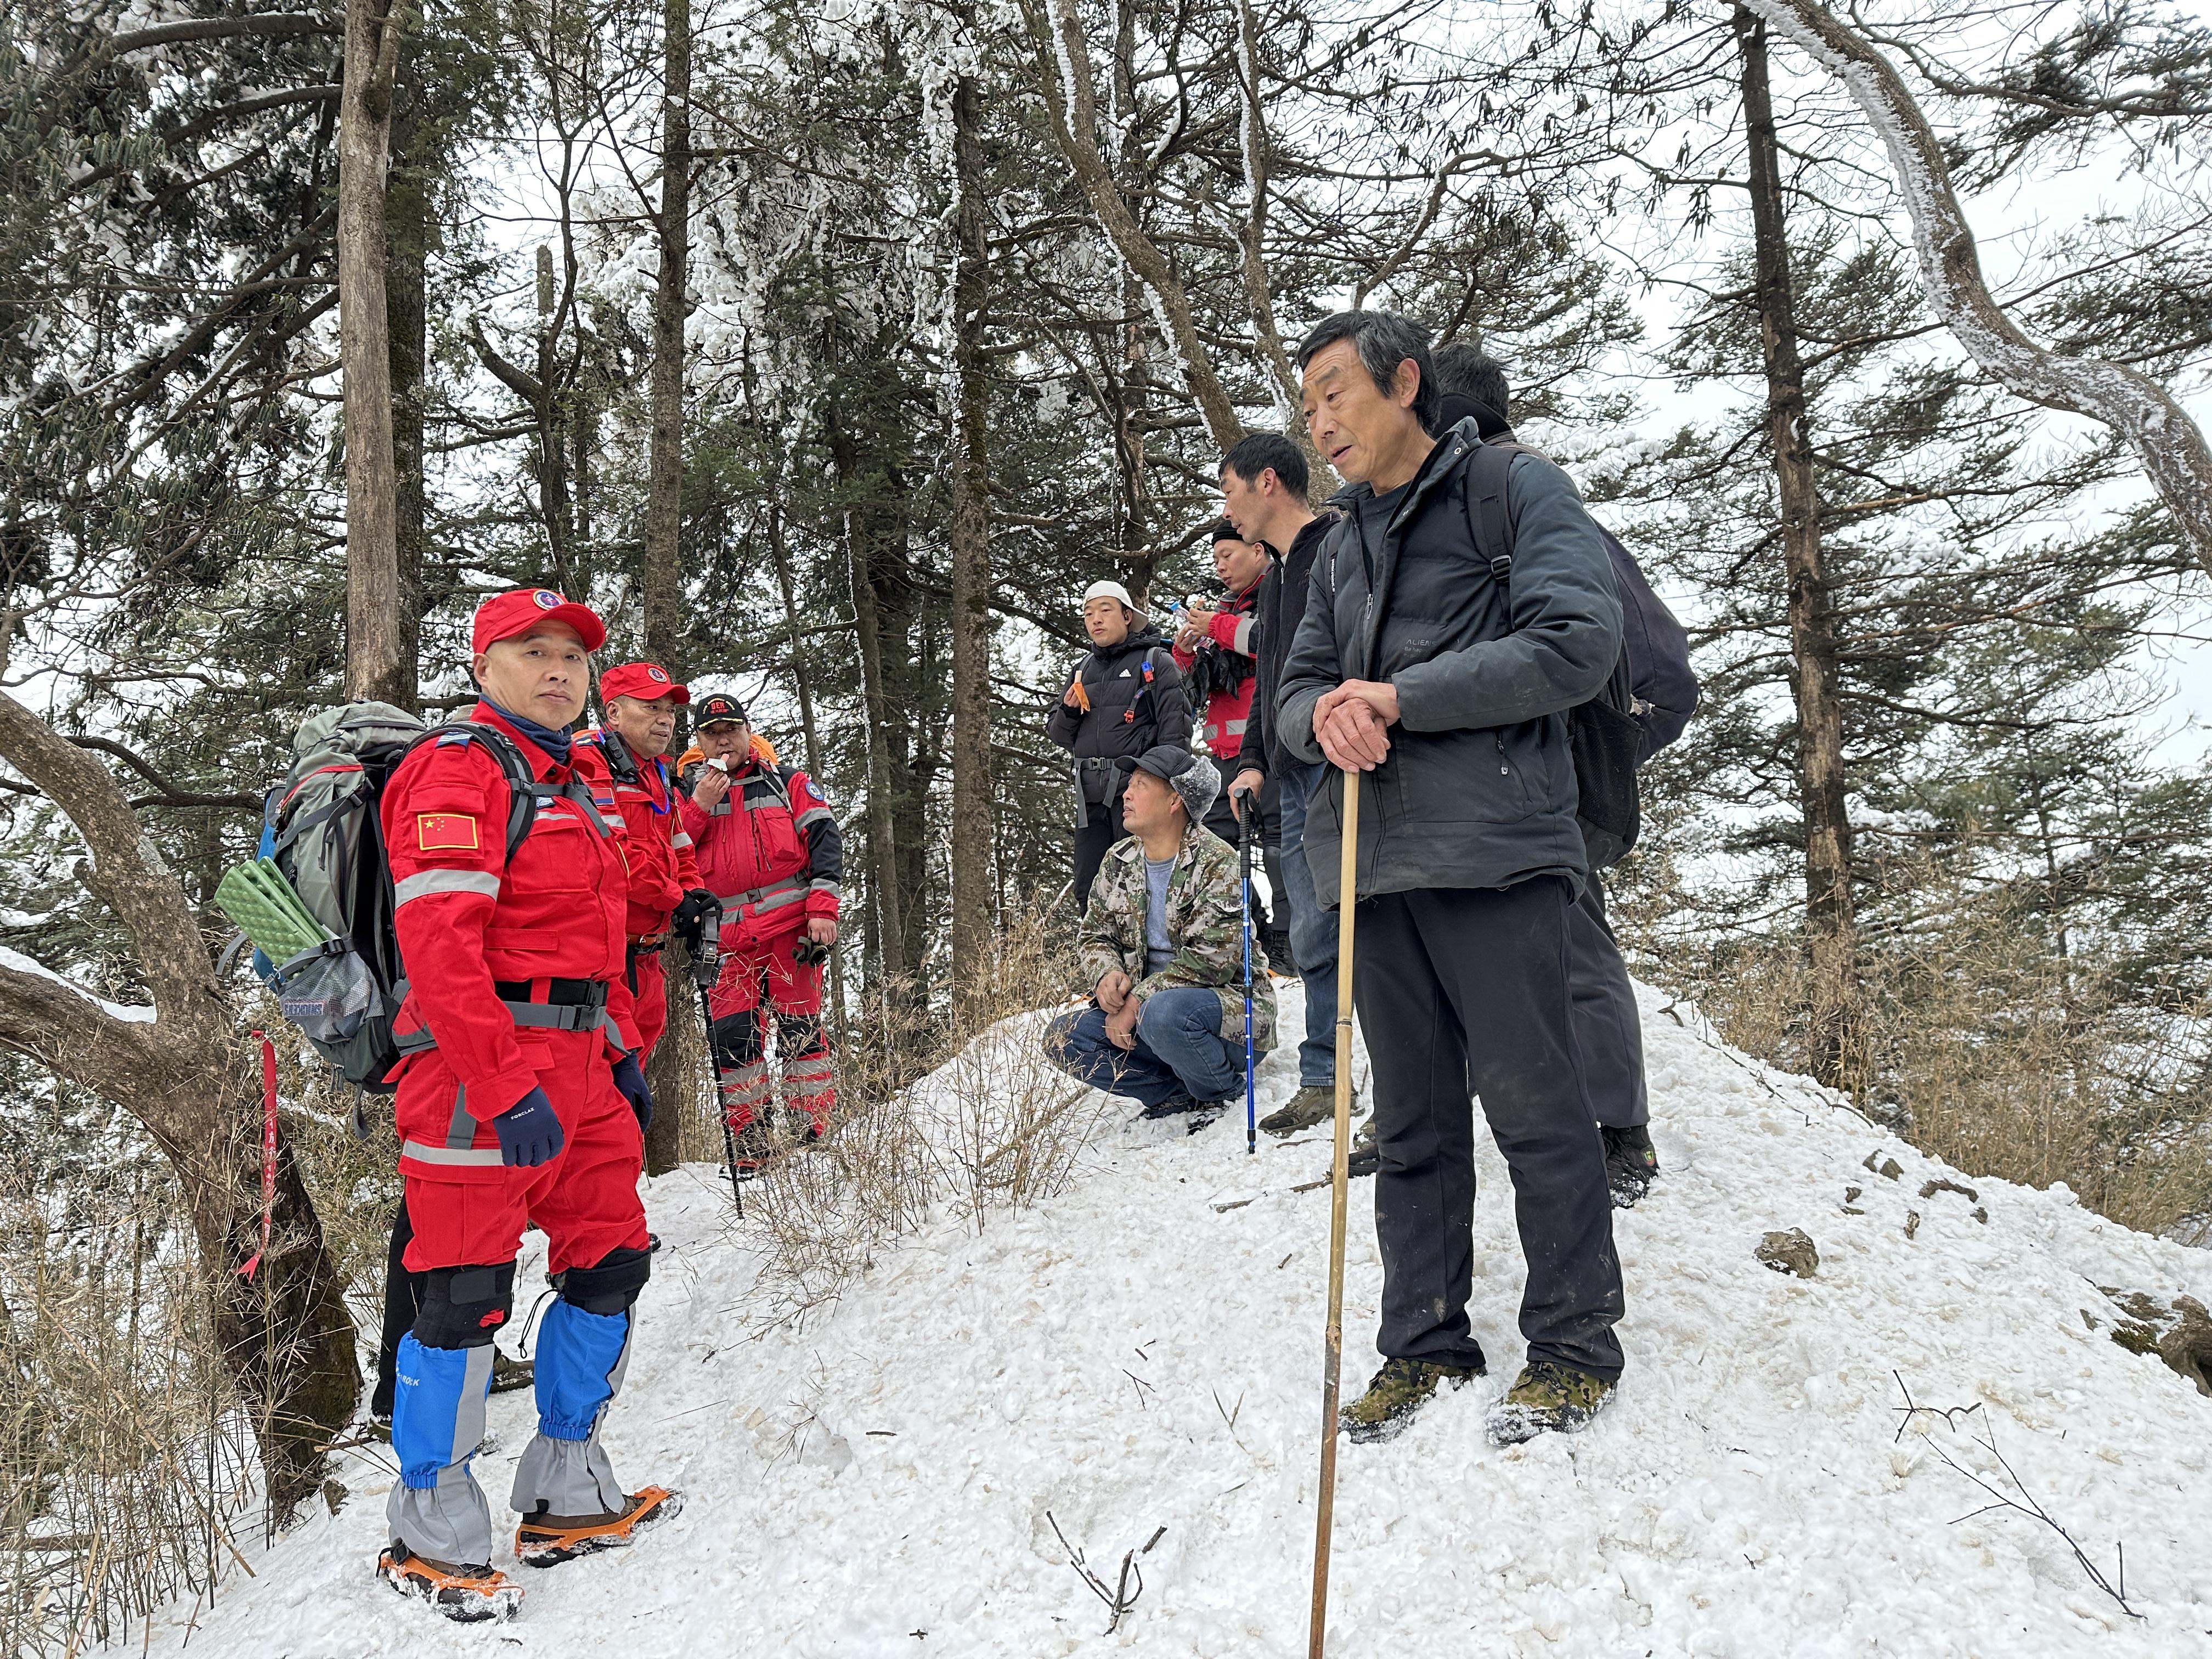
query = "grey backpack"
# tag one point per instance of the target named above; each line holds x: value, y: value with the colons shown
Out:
x: 321, y: 827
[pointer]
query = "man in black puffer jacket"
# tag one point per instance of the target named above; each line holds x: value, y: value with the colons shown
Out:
x: 1126, y: 697
x: 1443, y: 692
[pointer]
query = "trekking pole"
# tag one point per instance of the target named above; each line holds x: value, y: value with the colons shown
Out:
x: 1347, y: 892
x: 706, y: 968
x: 1244, y: 859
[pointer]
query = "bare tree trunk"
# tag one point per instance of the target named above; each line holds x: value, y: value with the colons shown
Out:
x: 2172, y: 447
x: 1251, y: 242
x: 287, y: 1340
x: 883, y: 847
x: 408, y: 237
x: 553, y: 506
x: 974, y: 921
x: 802, y: 680
x: 663, y: 578
x: 1831, y: 926
x: 1062, y: 56
x: 375, y: 651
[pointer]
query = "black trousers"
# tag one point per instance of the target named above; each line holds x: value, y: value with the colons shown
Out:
x: 402, y: 1300
x: 1608, y: 1031
x: 1464, y: 991
x: 1091, y: 841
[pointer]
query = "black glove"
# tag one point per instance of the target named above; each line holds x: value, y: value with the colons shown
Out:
x: 698, y: 904
x: 629, y: 1081
x: 529, y: 1133
x: 809, y: 952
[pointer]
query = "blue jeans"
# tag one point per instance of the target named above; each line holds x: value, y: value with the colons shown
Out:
x: 1179, y: 1050
x: 1313, y: 932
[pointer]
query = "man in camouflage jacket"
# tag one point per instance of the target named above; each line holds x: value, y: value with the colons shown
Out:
x: 1162, y: 950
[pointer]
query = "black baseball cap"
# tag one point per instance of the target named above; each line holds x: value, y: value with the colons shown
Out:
x: 718, y: 706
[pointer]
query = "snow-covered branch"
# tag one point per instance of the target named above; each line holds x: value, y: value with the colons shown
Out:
x: 2171, y: 446
x: 1064, y: 77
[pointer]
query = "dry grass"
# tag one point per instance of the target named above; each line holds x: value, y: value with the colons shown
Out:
x: 123, y: 1461
x: 996, y: 1127
x: 1980, y: 1045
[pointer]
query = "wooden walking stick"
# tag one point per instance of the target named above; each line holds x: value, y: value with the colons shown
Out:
x: 1347, y: 892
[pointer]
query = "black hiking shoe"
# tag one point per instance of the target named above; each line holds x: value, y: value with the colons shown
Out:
x: 1631, y: 1164
x: 1401, y: 1388
x: 1175, y: 1106
x: 467, y: 1595
x: 1362, y: 1159
x: 1546, y: 1398
x: 751, y: 1149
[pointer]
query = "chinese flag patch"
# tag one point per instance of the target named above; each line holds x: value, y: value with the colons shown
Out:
x: 445, y: 832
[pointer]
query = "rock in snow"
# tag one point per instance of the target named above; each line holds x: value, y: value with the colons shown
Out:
x: 1135, y: 1355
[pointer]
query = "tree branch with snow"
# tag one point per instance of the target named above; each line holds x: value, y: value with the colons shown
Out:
x: 2171, y: 446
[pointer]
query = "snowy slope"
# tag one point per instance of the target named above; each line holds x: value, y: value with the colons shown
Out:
x: 879, y: 1482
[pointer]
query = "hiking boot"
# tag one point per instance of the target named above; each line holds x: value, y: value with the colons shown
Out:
x: 1174, y: 1106
x: 507, y: 1374
x: 1315, y: 1102
x: 1363, y: 1159
x: 1545, y: 1396
x: 1631, y: 1164
x: 1395, y: 1394
x: 750, y: 1150
x: 547, y: 1540
x: 466, y: 1595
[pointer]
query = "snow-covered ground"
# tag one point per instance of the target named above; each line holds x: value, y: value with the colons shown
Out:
x: 1145, y: 1353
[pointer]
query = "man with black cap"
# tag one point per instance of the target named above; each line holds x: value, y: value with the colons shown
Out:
x: 769, y: 850
x: 1162, y: 951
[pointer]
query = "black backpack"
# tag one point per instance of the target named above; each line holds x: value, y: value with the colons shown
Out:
x: 1636, y: 713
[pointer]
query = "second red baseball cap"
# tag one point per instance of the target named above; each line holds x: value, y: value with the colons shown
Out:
x: 520, y: 609
x: 645, y: 681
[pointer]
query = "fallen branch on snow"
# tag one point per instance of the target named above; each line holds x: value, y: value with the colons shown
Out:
x: 1123, y: 1596
x: 2025, y: 1504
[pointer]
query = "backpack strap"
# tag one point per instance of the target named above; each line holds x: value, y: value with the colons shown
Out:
x: 1488, y: 519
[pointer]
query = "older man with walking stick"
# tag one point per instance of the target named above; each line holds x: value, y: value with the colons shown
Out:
x: 1441, y: 685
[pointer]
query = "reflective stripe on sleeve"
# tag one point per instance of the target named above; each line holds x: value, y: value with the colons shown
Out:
x: 423, y: 883
x: 679, y: 839
x: 810, y: 814
x: 476, y: 1156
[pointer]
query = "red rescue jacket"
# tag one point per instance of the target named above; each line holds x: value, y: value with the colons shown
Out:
x: 469, y: 919
x: 662, y: 867
x: 770, y: 850
x: 1229, y: 713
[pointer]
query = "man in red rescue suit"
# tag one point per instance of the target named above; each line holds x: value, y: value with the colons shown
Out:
x: 519, y: 1101
x: 1219, y: 658
x: 640, y: 702
x: 768, y: 848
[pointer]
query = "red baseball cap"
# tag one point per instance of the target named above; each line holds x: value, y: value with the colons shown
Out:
x: 521, y: 609
x: 645, y: 681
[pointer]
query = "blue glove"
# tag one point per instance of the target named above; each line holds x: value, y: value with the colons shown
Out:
x: 629, y: 1080
x: 529, y: 1133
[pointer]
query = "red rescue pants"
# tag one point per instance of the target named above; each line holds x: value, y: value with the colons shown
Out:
x: 650, y: 987
x: 759, y: 977
x: 469, y: 1209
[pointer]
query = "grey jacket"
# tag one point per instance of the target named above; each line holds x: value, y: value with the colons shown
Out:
x: 1478, y: 787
